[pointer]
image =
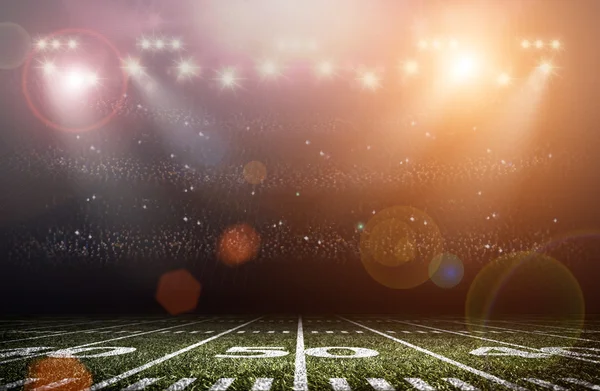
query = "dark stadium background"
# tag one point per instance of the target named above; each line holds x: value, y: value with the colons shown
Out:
x: 568, y: 121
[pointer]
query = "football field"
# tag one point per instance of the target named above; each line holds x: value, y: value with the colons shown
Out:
x: 345, y: 352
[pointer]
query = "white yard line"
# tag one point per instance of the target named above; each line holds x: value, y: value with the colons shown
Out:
x: 493, y: 340
x: 77, y: 331
x: 58, y: 327
x: 131, y: 372
x: 106, y: 340
x: 467, y: 368
x: 526, y: 331
x: 300, y: 376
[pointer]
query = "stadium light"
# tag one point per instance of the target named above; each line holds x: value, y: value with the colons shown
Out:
x: 269, y: 69
x: 41, y: 44
x: 228, y: 78
x: 539, y: 44
x: 133, y: 67
x: 56, y: 44
x: 423, y: 45
x: 176, y: 44
x: 75, y: 80
x: 555, y: 44
x: 187, y: 69
x: 437, y: 45
x: 525, y: 44
x: 411, y: 67
x: 464, y: 67
x: 49, y: 68
x: 370, y: 80
x: 159, y: 44
x: 546, y: 67
x: 145, y: 44
x: 72, y: 44
x: 504, y: 79
x: 325, y: 69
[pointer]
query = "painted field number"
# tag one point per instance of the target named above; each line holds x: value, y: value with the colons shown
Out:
x: 271, y: 352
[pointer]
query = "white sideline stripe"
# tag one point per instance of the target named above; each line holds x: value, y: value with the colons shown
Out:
x: 419, y: 384
x: 104, y: 341
x: 262, y: 384
x: 181, y: 384
x: 582, y: 383
x: 380, y: 385
x: 17, y: 383
x: 131, y: 372
x: 545, y: 384
x: 222, y: 384
x: 496, y: 341
x: 55, y: 384
x: 300, y: 377
x: 528, y: 332
x: 142, y: 384
x: 478, y: 372
x: 461, y: 385
x: 75, y: 332
x: 339, y: 384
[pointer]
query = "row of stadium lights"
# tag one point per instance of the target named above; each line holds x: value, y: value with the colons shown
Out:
x: 270, y: 69
x: 44, y: 44
x: 437, y: 44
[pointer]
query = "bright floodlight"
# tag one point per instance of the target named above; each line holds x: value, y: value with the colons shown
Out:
x: 55, y: 44
x: 75, y: 80
x: 159, y: 44
x: 145, y: 44
x: 556, y: 44
x: 411, y: 67
x: 325, y: 69
x: 268, y: 69
x: 539, y: 44
x: 525, y: 44
x: 228, y: 78
x: 176, y: 44
x: 369, y: 80
x: 464, y: 67
x: 187, y: 69
x: 41, y: 44
x: 423, y: 44
x: 546, y: 68
x: 92, y: 79
x: 48, y: 68
x: 133, y: 67
x: 437, y: 44
x: 72, y: 44
x: 503, y: 79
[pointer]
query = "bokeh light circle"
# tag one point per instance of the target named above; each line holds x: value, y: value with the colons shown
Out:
x: 178, y: 292
x: 15, y: 45
x: 446, y: 270
x: 255, y: 172
x: 525, y: 283
x: 238, y: 244
x: 397, y: 246
x: 47, y: 121
x: 61, y: 373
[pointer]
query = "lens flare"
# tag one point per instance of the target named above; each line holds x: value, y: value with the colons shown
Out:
x: 411, y: 67
x: 446, y: 270
x: 61, y: 373
x: 501, y: 287
x: 178, y: 292
x: 238, y: 244
x: 397, y: 246
x: 255, y: 172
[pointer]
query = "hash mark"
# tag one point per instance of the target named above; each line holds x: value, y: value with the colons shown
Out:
x: 241, y: 332
x: 461, y: 385
x: 181, y: 384
x: 179, y: 332
x: 380, y: 385
x: 262, y: 384
x: 339, y: 384
x: 140, y: 385
x: 419, y: 384
x: 221, y: 384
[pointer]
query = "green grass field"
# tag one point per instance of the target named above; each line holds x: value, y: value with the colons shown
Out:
x: 307, y: 353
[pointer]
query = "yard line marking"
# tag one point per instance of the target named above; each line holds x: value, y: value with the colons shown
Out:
x: 314, y: 332
x: 17, y: 383
x: 380, y: 385
x: 545, y: 384
x: 496, y: 341
x: 256, y: 332
x: 286, y: 332
x: 241, y: 332
x: 55, y: 384
x: 300, y: 376
x: 262, y: 384
x: 164, y: 332
x: 527, y: 332
x: 344, y: 332
x: 194, y: 332
x: 142, y: 384
x: 461, y: 385
x: 478, y: 372
x: 538, y: 325
x: 179, y: 332
x: 105, y: 341
x: 68, y: 325
x: 419, y: 384
x: 359, y: 332
x: 339, y: 384
x: 391, y: 332
x: 329, y: 332
x: 181, y: 384
x: 270, y: 332
x: 222, y: 384
x: 209, y: 332
x: 131, y: 372
x: 582, y: 383
x: 406, y: 332
x: 75, y: 332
